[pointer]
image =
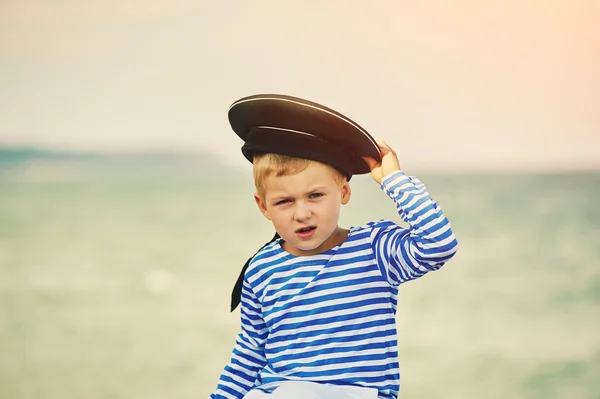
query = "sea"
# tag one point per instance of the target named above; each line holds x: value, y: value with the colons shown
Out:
x: 116, y: 273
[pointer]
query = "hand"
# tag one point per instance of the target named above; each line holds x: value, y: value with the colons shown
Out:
x: 388, y: 165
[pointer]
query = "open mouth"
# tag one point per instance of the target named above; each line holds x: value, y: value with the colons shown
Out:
x: 306, y: 230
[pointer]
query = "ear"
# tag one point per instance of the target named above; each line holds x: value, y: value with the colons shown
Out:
x: 262, y: 206
x: 346, y: 193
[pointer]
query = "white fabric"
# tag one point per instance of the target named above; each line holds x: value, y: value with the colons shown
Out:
x: 312, y: 390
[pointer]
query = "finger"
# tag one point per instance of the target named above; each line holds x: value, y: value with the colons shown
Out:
x: 385, y: 148
x: 370, y: 161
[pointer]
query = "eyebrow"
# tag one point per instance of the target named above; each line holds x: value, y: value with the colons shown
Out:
x: 281, y: 195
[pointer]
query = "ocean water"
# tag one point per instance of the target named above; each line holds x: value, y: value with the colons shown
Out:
x: 115, y: 278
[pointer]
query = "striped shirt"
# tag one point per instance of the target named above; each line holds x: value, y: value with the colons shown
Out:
x: 330, y: 317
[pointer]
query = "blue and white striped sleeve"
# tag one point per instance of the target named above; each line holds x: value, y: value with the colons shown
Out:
x: 406, y: 254
x: 247, y: 358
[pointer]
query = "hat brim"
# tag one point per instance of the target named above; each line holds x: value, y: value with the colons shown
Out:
x: 283, y: 113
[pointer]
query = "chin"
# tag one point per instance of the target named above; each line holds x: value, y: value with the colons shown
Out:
x: 306, y: 247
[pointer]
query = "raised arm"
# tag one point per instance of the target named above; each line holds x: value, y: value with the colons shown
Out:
x: 406, y: 254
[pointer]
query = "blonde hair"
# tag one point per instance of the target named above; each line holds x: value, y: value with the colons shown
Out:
x: 266, y: 165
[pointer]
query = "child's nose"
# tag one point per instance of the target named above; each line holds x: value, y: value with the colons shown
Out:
x: 302, y: 212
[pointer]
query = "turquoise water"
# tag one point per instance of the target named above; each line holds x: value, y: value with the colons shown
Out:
x: 115, y: 277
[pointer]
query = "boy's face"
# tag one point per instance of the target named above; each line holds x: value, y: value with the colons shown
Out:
x: 304, y: 208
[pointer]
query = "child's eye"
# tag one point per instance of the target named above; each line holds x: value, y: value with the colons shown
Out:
x: 316, y: 195
x: 283, y: 201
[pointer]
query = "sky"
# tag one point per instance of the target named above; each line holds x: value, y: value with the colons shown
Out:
x: 466, y: 85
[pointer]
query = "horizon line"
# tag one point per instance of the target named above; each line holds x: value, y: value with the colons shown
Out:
x: 56, y: 152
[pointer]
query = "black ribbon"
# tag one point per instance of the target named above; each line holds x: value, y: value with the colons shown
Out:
x: 236, y: 294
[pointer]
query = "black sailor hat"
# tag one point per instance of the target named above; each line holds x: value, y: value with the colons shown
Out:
x: 274, y: 123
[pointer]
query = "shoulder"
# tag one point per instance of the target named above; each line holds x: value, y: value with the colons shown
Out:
x: 269, y: 257
x: 269, y: 253
x: 374, y: 226
x: 371, y: 231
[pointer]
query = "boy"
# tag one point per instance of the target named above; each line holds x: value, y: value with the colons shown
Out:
x: 319, y: 303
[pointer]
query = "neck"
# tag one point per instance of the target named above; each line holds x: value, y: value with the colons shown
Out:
x: 335, y: 239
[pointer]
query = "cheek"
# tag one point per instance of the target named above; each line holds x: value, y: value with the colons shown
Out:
x: 333, y: 209
x: 278, y: 216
